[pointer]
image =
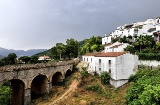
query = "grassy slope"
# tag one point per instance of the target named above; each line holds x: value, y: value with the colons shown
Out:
x: 81, y: 96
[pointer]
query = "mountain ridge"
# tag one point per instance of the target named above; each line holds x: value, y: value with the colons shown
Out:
x: 19, y: 53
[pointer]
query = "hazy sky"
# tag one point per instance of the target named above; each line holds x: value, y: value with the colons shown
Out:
x: 35, y: 24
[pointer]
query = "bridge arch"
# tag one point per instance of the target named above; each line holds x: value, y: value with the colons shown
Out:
x: 68, y: 73
x: 57, y: 78
x: 17, y: 92
x: 39, y: 86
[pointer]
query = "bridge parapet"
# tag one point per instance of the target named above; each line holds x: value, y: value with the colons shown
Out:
x: 36, y: 66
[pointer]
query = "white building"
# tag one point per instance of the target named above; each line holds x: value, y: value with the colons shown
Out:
x: 106, y: 39
x: 90, y: 59
x: 116, y: 47
x: 148, y: 27
x: 41, y: 58
x: 120, y: 65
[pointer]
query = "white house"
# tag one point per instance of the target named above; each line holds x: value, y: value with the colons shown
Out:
x: 41, y: 58
x: 106, y: 39
x: 120, y: 65
x: 116, y: 47
x: 90, y: 60
x: 148, y: 27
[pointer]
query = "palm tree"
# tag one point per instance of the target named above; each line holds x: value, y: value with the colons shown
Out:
x: 149, y: 41
x: 139, y: 42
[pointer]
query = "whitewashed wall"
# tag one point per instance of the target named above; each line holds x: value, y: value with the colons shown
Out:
x: 118, y: 83
x: 153, y: 63
x: 104, y: 66
x: 125, y: 66
x: 106, y: 40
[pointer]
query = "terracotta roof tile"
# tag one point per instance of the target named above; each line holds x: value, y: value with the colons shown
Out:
x: 92, y: 54
x: 116, y: 46
x: 151, y: 29
x: 110, y: 54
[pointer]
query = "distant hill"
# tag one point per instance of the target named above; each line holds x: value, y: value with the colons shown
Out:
x: 19, y: 53
x: 47, y: 52
x: 1, y: 57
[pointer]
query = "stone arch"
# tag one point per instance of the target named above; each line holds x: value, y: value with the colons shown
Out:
x: 39, y: 86
x: 57, y: 78
x: 68, y: 73
x: 17, y: 92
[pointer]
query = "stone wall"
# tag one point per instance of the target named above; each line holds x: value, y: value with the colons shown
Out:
x: 152, y: 63
x: 36, y: 66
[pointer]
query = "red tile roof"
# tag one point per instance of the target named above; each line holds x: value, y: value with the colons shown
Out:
x: 110, y: 54
x: 116, y: 46
x: 92, y: 54
x: 151, y: 29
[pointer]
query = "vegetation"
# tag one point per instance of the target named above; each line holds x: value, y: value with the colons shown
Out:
x: 73, y: 48
x: 105, y: 77
x: 5, y: 94
x: 9, y: 60
x: 92, y: 44
x: 145, y: 88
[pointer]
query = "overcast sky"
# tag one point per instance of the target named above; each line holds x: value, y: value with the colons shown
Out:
x: 36, y: 24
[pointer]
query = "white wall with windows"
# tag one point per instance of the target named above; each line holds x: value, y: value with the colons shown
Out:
x: 120, y: 67
x: 106, y: 40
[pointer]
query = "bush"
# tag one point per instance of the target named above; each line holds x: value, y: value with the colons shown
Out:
x: 95, y: 88
x: 130, y: 48
x: 84, y: 73
x: 145, y: 88
x: 4, y: 95
x: 149, y: 56
x: 105, y: 77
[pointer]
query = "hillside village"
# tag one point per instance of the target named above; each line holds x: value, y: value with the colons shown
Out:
x: 103, y: 55
x: 148, y: 27
x: 114, y: 59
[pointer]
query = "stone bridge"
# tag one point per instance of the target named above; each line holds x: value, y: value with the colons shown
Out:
x: 28, y: 81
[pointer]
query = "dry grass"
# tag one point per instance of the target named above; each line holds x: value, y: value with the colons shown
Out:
x: 81, y: 96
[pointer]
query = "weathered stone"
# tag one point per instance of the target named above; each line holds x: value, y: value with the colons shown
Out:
x: 26, y: 73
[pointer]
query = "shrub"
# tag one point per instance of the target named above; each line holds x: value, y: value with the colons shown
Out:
x: 145, y: 88
x: 4, y: 95
x: 95, y: 88
x: 84, y: 73
x: 105, y: 77
x: 149, y: 56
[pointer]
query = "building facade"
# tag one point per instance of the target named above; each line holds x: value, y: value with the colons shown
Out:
x: 120, y: 65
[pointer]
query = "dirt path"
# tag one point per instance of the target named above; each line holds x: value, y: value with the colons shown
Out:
x: 68, y: 93
x: 71, y: 89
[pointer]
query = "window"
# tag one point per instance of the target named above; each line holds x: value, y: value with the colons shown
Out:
x: 109, y: 70
x: 84, y: 59
x: 91, y: 60
x: 99, y: 61
x: 109, y: 61
x: 87, y: 59
x: 99, y: 69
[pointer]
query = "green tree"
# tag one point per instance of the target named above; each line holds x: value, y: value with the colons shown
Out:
x: 54, y: 53
x: 60, y: 49
x: 34, y: 59
x: 12, y: 58
x: 92, y: 44
x: 130, y: 48
x: 139, y: 42
x: 71, y: 48
x: 25, y: 59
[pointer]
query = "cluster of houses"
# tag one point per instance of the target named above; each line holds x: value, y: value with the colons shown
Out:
x: 114, y: 60
x: 149, y: 27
